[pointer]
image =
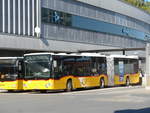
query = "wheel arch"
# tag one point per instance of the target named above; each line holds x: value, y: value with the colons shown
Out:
x: 70, y: 80
x: 105, y: 78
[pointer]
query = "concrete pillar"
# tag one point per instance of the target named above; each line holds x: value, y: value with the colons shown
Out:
x: 147, y: 74
x: 38, y: 22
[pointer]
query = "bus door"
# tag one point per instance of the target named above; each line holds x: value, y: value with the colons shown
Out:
x: 120, y: 64
x: 20, y: 72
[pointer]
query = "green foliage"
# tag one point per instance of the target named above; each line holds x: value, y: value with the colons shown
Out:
x: 140, y: 4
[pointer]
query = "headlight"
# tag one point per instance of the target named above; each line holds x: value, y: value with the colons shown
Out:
x: 47, y: 85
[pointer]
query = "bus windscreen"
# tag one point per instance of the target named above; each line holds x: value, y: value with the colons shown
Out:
x: 37, y: 67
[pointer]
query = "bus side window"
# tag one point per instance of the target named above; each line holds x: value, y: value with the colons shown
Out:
x: 94, y: 66
x: 55, y: 64
x: 57, y: 67
x: 101, y: 66
x: 20, y: 69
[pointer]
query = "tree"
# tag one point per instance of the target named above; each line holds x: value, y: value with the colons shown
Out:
x: 140, y: 4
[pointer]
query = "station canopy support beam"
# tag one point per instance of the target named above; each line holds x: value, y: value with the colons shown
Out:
x: 112, y: 50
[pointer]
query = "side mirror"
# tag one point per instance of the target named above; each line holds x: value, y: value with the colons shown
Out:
x: 19, y: 66
x: 55, y: 63
x: 25, y: 61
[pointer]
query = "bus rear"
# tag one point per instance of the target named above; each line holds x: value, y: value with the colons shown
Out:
x: 10, y: 73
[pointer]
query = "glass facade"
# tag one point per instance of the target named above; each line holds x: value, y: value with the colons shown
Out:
x: 79, y: 22
x: 18, y: 17
x: 56, y: 17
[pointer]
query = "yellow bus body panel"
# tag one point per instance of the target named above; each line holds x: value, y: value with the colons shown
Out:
x: 80, y: 82
x: 38, y: 84
x: 133, y: 78
x: 60, y: 84
x: 11, y: 85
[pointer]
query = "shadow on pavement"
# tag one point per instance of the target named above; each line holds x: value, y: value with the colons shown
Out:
x: 13, y: 91
x: 145, y: 110
x: 62, y: 91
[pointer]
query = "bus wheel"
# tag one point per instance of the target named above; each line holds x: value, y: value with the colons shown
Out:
x: 127, y: 81
x: 43, y: 91
x: 102, y: 83
x: 10, y: 91
x: 69, y: 86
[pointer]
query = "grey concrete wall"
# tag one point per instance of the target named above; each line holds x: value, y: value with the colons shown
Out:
x: 120, y: 7
x: 55, y: 32
x: 12, y: 42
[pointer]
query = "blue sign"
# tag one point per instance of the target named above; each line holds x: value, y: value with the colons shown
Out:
x: 104, y: 27
x: 121, y: 70
x: 56, y: 17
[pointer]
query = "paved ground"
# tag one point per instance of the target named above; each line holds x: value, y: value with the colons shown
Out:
x: 111, y: 100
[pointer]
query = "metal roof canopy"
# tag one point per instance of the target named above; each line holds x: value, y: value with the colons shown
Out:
x: 112, y: 50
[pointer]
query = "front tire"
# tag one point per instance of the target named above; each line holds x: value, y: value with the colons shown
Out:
x: 43, y: 91
x: 102, y: 83
x: 10, y: 91
x: 69, y: 86
x: 127, y: 81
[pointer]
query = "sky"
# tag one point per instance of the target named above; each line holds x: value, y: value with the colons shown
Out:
x: 147, y: 0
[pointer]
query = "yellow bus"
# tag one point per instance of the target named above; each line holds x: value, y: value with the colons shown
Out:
x: 10, y: 73
x: 50, y: 71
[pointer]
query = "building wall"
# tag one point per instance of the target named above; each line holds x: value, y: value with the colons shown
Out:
x: 55, y: 32
x: 82, y: 9
x: 58, y: 32
x: 17, y: 27
x: 15, y: 42
x: 120, y: 7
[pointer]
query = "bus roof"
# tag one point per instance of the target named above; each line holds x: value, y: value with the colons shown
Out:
x: 124, y: 56
x: 42, y: 53
x: 83, y: 54
x: 65, y: 54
